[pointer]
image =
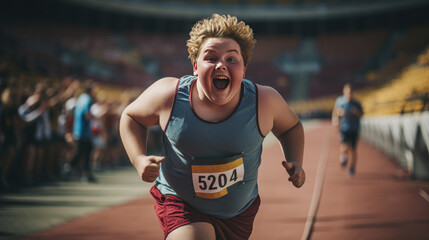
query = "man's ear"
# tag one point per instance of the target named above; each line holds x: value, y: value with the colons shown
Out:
x: 244, y: 72
x: 194, y: 65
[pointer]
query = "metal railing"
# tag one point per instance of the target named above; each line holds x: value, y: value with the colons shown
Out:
x: 404, y: 138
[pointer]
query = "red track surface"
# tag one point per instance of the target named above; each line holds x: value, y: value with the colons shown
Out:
x: 375, y: 204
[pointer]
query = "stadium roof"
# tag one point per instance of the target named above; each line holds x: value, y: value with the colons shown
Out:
x: 298, y: 10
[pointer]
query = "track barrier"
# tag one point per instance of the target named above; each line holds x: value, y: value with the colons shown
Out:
x: 405, y: 138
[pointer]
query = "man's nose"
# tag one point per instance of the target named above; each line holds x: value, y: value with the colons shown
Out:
x: 220, y: 65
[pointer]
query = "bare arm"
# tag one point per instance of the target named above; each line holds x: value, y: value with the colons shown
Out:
x: 335, y: 117
x: 292, y: 142
x: 151, y: 108
x: 276, y: 116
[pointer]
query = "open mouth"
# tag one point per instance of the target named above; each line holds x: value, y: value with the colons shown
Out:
x: 221, y: 82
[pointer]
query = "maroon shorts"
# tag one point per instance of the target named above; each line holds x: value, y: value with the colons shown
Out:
x: 173, y: 212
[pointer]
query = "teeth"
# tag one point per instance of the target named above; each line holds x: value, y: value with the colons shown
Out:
x: 221, y: 77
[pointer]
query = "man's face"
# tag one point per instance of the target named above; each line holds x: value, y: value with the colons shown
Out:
x: 220, y: 69
x: 347, y: 92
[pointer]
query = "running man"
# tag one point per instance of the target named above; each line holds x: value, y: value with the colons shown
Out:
x: 346, y: 115
x: 213, y: 124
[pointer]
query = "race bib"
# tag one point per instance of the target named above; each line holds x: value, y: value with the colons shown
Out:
x: 213, y: 181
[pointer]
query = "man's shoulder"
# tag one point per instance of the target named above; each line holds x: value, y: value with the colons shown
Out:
x: 164, y: 87
x: 83, y: 98
x: 340, y: 100
x: 166, y: 82
x: 268, y: 95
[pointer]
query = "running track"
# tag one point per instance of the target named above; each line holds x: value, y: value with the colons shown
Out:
x: 375, y: 204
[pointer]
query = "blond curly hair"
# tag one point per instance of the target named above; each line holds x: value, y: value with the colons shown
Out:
x: 221, y: 26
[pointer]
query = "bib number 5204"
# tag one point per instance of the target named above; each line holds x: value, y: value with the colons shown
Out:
x: 214, y: 182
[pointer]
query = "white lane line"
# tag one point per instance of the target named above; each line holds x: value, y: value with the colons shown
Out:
x: 424, y: 195
x: 318, y: 185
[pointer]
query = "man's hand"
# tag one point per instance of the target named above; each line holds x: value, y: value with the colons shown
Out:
x: 296, y: 173
x: 355, y: 111
x: 148, y: 167
x: 341, y: 112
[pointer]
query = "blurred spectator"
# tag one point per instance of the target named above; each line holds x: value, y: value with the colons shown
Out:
x: 346, y: 114
x: 111, y: 122
x: 82, y: 132
x: 11, y: 129
x: 65, y: 118
x: 8, y: 139
x: 38, y: 133
x: 55, y: 149
x: 99, y: 134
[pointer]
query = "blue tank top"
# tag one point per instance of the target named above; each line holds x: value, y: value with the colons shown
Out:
x: 349, y: 122
x: 212, y: 166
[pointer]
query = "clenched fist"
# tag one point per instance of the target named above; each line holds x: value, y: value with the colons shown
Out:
x: 296, y: 173
x: 148, y: 167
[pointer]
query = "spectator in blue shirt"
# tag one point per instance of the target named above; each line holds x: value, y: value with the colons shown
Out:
x: 82, y: 132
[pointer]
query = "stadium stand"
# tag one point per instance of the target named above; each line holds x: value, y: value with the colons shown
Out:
x: 305, y: 53
x: 406, y: 93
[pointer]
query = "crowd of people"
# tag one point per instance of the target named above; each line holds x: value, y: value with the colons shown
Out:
x: 37, y: 139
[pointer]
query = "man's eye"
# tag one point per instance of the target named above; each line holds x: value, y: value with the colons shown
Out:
x: 211, y: 59
x: 232, y: 60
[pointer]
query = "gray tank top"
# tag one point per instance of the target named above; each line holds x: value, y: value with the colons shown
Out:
x: 212, y: 166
